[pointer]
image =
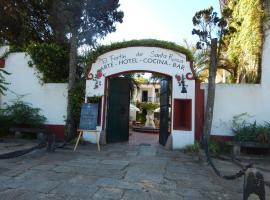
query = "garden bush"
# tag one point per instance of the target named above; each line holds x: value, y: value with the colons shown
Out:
x: 193, y: 148
x: 218, y: 146
x: 20, y: 114
x: 250, y: 132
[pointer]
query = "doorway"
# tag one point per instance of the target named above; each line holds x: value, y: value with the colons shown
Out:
x: 118, y: 110
x: 121, y: 126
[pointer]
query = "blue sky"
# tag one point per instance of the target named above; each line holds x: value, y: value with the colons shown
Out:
x: 169, y: 20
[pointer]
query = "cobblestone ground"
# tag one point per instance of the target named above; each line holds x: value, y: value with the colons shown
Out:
x: 119, y: 171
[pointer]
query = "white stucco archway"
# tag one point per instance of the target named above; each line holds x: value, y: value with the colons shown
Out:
x: 151, y: 59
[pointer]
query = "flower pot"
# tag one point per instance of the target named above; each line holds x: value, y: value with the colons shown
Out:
x: 2, y: 62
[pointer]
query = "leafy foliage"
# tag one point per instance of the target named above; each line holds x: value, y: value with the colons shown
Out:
x: 87, y: 18
x: 26, y: 21
x: 209, y: 26
x: 218, y: 146
x: 206, y: 25
x: 200, y: 60
x: 77, y: 98
x: 51, y: 60
x: 20, y: 114
x: 243, y: 49
x: 141, y: 80
x: 250, y: 132
x: 84, y: 21
x: 193, y: 148
x: 68, y: 23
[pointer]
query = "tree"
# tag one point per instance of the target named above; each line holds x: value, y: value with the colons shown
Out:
x: 70, y: 23
x: 83, y: 22
x: 209, y: 26
x: 22, y: 22
x: 200, y: 60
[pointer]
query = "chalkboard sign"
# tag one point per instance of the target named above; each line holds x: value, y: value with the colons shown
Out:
x: 88, y: 119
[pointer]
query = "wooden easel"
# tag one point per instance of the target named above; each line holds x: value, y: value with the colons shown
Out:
x: 80, y: 134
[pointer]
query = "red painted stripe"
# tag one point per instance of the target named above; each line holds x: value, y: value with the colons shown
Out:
x: 58, y: 130
x: 199, y: 110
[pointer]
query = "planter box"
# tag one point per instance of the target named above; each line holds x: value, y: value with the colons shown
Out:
x: 237, y: 146
x: 252, y: 144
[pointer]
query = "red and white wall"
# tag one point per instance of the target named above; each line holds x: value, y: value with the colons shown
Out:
x: 51, y: 98
x: 234, y: 99
x: 230, y: 99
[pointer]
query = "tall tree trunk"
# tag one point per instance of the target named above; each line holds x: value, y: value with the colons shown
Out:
x: 71, y: 82
x: 211, y: 90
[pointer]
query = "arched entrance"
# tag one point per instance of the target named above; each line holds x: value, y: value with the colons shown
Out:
x: 118, y: 105
x: 171, y: 63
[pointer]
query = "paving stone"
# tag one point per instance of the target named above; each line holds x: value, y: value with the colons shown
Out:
x: 3, y: 170
x: 146, y: 171
x: 82, y: 162
x: 83, y: 179
x: 108, y: 193
x: 158, y: 195
x: 4, y: 182
x: 119, y: 171
x: 12, y: 194
x: 37, y: 185
x: 76, y: 190
x: 165, y: 186
x: 65, y: 169
x: 115, y: 183
x: 131, y: 153
x: 115, y: 162
x: 43, y: 167
x: 147, y: 151
x: 136, y: 195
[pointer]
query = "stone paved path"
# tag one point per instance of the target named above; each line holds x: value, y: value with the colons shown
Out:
x: 119, y: 171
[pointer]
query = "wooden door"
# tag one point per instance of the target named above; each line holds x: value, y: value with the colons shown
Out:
x: 117, y: 129
x: 164, y: 110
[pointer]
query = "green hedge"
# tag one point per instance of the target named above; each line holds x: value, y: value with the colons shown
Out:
x: 51, y: 60
x: 20, y: 113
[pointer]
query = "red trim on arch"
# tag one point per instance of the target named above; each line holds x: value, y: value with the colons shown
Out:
x: 199, y: 110
x: 104, y: 103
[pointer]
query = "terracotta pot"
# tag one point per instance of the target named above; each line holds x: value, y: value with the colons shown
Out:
x: 2, y: 62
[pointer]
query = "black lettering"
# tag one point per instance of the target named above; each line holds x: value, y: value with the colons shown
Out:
x: 126, y: 61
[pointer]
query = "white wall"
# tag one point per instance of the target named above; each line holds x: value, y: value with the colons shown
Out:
x: 51, y: 98
x: 235, y: 99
